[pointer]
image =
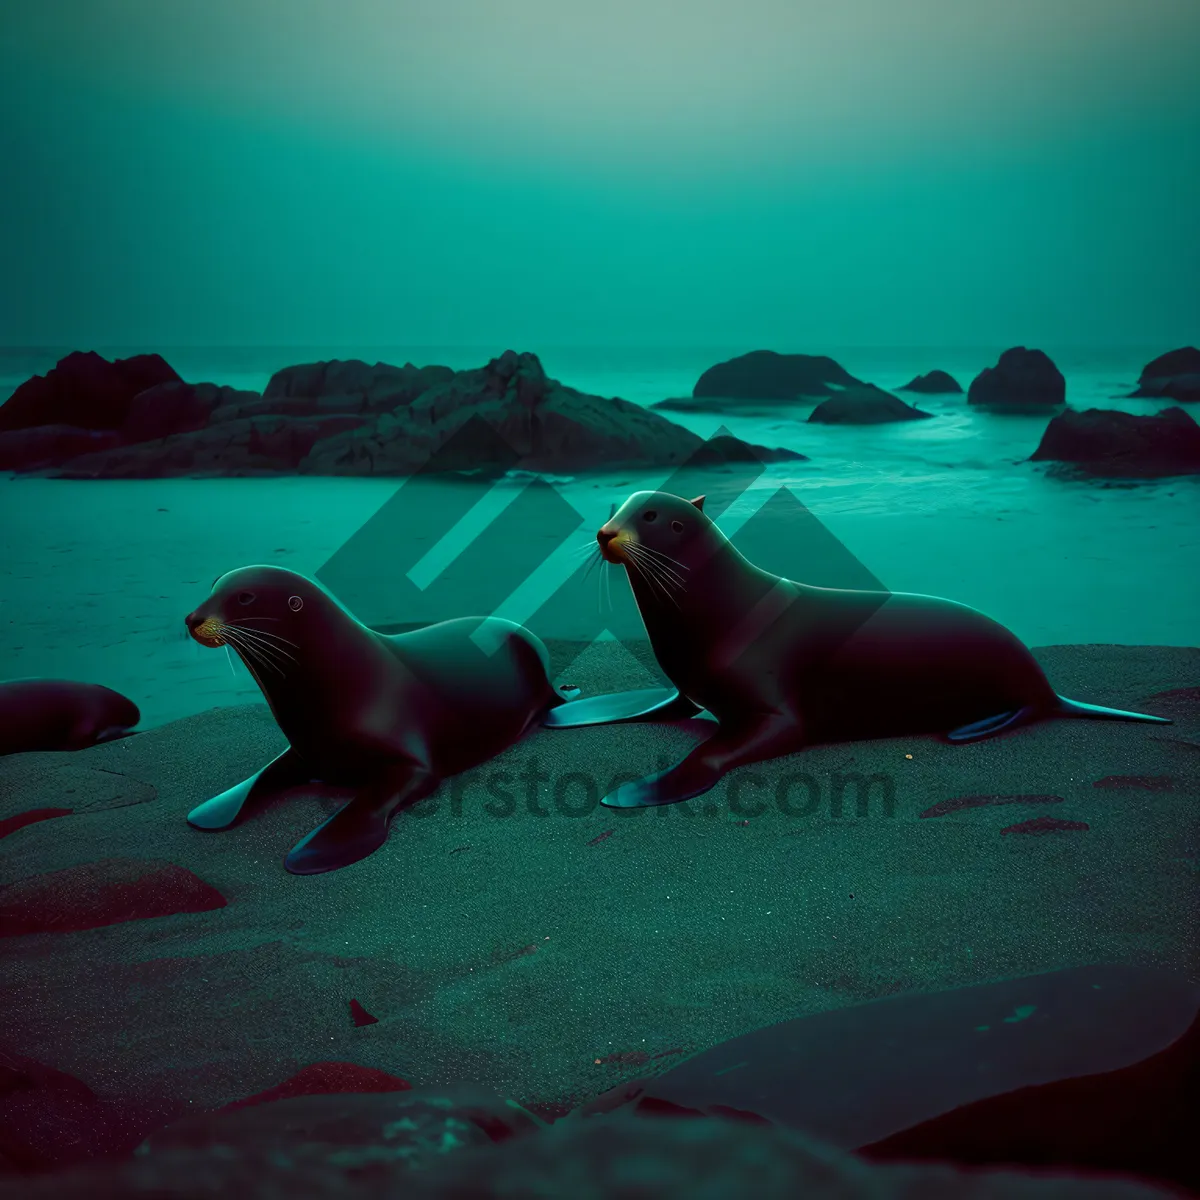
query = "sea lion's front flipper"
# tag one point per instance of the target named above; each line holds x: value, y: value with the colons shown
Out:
x: 286, y: 771
x: 769, y: 736
x: 360, y: 827
x: 990, y: 726
x: 645, y: 704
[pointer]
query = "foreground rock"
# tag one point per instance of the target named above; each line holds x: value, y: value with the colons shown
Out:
x: 344, y: 418
x: 84, y: 391
x: 764, y: 375
x: 437, y: 1153
x: 864, y: 406
x: 934, y: 384
x: 1022, y: 380
x: 1122, y: 445
x: 1172, y: 376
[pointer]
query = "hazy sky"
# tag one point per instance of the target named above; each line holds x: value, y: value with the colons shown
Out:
x: 787, y: 173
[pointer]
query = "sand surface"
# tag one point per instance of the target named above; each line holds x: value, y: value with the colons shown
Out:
x: 515, y: 949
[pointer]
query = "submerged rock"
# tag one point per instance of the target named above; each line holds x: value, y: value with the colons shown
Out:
x: 933, y: 384
x: 85, y: 391
x: 1122, y: 445
x: 866, y: 405
x: 767, y: 375
x: 1021, y: 380
x: 1172, y: 376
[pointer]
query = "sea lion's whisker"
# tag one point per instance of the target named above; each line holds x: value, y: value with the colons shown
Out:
x: 662, y: 568
x: 658, y: 553
x: 259, y: 639
x: 229, y: 660
x: 263, y: 633
x: 664, y: 574
x: 249, y: 651
x: 274, y: 653
x: 665, y: 586
x: 640, y: 565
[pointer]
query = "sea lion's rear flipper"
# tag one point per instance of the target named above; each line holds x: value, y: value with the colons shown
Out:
x: 286, y: 771
x: 990, y: 726
x: 767, y: 736
x: 645, y: 704
x: 360, y: 827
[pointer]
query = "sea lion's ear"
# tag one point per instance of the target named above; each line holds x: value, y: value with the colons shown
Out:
x: 699, y: 503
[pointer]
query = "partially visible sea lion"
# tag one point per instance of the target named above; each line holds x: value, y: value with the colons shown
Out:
x: 781, y: 665
x: 61, y: 714
x: 391, y: 716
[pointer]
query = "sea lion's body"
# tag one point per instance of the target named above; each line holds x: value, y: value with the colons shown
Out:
x: 782, y: 665
x: 61, y: 714
x: 389, y: 715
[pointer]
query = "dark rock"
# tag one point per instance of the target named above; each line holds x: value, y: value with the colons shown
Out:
x: 1185, y: 361
x: 84, y: 390
x: 348, y: 418
x: 1137, y: 1120
x: 722, y: 448
x: 429, y: 1154
x: 39, y: 446
x: 1114, y: 444
x: 864, y: 406
x: 766, y: 375
x: 367, y: 1134
x: 933, y: 384
x: 1021, y: 380
x: 177, y: 407
x: 326, y: 1079
x: 107, y: 892
x: 1185, y: 388
x: 1172, y: 376
x: 510, y: 414
x: 679, y: 1157
x: 353, y: 383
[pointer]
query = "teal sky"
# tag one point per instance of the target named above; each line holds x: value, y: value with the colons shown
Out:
x: 787, y: 173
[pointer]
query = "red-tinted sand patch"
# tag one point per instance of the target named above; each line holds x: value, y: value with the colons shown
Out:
x: 1148, y: 783
x: 30, y: 817
x: 326, y: 1079
x: 107, y: 892
x: 1046, y: 825
x: 956, y: 803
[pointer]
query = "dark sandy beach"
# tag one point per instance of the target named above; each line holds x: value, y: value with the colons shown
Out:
x: 554, y: 950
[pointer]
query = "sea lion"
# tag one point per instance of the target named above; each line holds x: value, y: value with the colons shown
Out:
x: 391, y: 716
x: 781, y: 665
x: 61, y: 714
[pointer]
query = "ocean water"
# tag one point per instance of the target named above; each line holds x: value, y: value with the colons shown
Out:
x: 98, y: 575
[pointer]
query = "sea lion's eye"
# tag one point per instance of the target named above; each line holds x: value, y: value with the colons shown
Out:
x: 677, y: 526
x: 649, y: 516
x: 245, y: 597
x: 295, y: 603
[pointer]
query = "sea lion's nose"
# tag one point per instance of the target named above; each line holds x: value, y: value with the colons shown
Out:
x: 193, y: 620
x: 605, y: 536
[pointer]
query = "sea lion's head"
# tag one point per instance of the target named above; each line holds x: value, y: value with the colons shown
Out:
x: 262, y: 612
x: 653, y: 521
x: 656, y: 535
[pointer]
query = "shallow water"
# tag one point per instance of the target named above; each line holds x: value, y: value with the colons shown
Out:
x: 98, y: 575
